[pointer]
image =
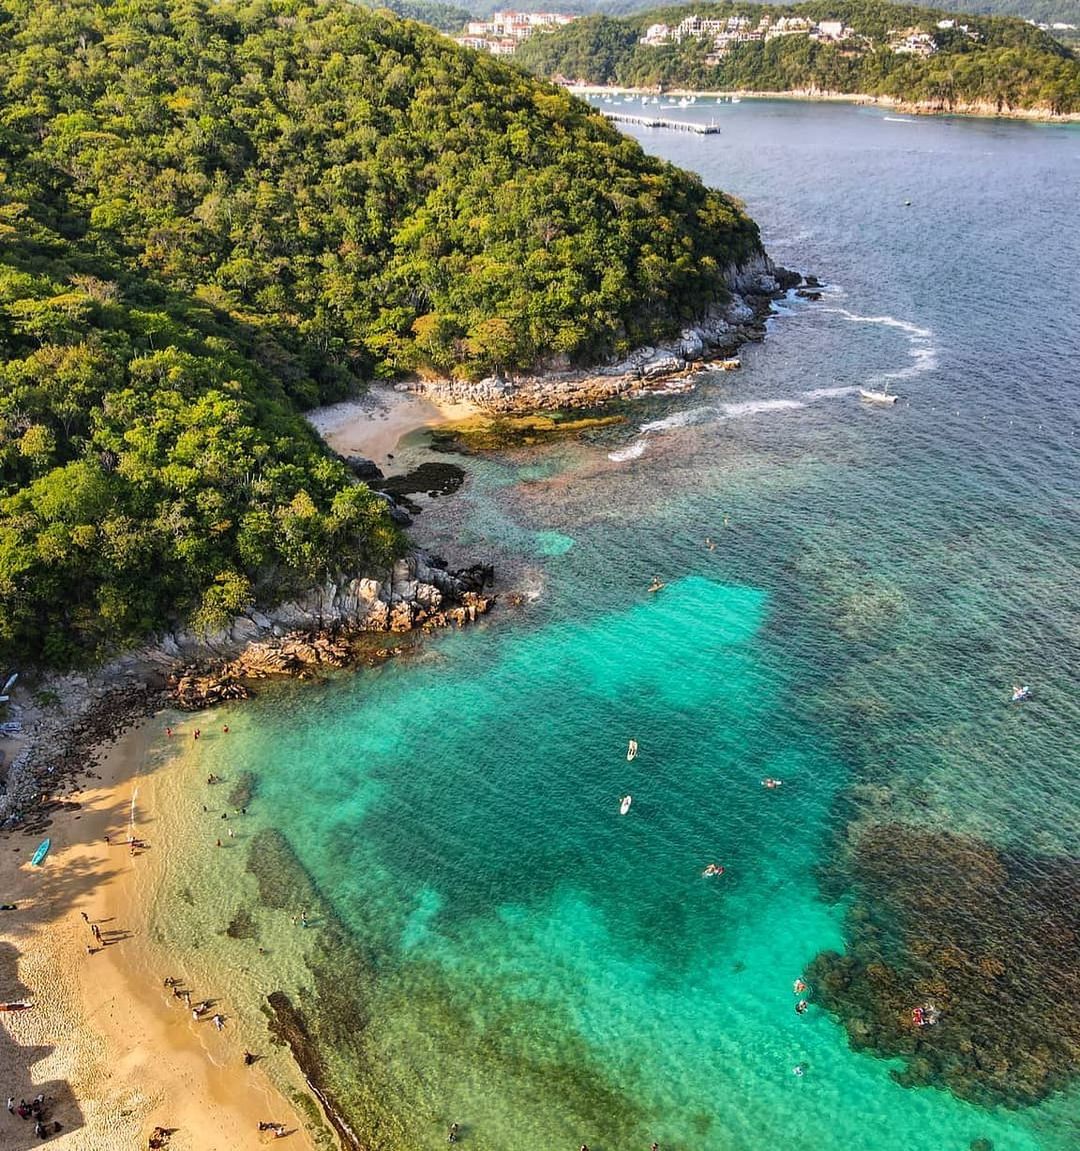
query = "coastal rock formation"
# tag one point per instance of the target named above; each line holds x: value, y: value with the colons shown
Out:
x: 324, y: 628
x: 753, y: 287
x: 321, y: 629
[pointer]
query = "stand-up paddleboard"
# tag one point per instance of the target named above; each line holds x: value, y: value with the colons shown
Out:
x: 42, y: 851
x: 624, y: 807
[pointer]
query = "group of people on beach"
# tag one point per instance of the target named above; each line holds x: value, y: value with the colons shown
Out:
x: 198, y: 1010
x: 277, y: 1128
x: 35, y: 1110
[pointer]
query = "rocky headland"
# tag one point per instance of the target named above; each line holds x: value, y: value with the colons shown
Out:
x: 348, y: 621
x: 716, y: 337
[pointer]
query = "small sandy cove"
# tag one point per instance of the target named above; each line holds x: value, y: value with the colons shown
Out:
x: 374, y: 425
x: 114, y: 1053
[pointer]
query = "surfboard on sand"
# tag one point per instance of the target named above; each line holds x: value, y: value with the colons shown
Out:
x: 39, y: 855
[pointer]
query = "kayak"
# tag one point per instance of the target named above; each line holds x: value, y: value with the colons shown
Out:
x: 42, y: 851
x: 624, y: 807
x: 15, y: 1006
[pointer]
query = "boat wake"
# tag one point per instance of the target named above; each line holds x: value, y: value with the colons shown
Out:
x: 757, y: 407
x: 630, y: 452
x: 680, y: 419
x: 921, y: 347
x: 721, y: 413
x: 922, y: 353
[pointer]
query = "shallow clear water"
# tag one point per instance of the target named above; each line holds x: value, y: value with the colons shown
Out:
x: 545, y: 971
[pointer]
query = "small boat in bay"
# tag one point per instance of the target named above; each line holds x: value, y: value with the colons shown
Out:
x: 624, y: 806
x: 38, y: 857
x: 872, y: 397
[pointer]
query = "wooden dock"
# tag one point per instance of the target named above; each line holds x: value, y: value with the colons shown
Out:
x: 661, y: 122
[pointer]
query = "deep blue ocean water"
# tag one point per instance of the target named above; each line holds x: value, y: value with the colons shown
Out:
x: 546, y: 972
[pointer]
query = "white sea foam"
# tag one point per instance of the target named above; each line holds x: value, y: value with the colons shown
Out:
x: 630, y: 452
x: 679, y: 420
x: 829, y: 393
x: 756, y: 407
x: 899, y: 119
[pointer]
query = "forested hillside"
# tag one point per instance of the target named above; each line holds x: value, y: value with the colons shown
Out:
x: 214, y: 214
x: 885, y: 49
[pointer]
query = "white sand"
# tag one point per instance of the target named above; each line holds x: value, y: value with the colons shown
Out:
x: 374, y: 426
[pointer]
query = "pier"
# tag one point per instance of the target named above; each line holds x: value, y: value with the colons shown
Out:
x: 710, y: 129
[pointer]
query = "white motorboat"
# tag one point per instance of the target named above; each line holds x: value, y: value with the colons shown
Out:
x: 872, y: 397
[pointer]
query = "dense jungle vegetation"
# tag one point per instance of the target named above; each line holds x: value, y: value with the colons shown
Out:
x: 213, y: 215
x: 1010, y: 66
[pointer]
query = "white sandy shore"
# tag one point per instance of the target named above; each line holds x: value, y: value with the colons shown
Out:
x: 104, y: 1040
x: 374, y: 425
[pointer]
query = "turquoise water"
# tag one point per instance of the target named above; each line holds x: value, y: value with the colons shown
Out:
x: 545, y: 972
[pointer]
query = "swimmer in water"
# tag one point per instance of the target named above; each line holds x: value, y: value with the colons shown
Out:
x: 798, y: 987
x: 771, y: 783
x: 799, y: 1069
x: 713, y: 869
x: 801, y: 1007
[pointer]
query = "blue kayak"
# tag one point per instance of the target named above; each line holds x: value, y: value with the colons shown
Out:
x: 42, y: 851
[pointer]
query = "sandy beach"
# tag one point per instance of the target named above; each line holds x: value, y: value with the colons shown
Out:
x: 374, y: 425
x: 114, y: 1052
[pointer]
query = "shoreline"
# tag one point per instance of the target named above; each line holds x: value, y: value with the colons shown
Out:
x: 373, y: 425
x: 111, y: 1049
x: 103, y: 1039
x: 128, y: 1058
x: 860, y: 99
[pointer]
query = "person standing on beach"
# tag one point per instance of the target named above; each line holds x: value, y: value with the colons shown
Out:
x: 11, y: 1104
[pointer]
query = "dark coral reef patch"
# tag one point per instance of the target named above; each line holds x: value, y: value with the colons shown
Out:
x: 985, y: 942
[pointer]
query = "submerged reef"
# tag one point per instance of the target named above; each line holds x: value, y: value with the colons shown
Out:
x: 985, y: 942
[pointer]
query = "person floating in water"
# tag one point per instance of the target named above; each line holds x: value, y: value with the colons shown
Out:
x: 798, y: 987
x: 771, y: 783
x: 802, y: 1007
x: 631, y: 751
x: 713, y: 869
x: 710, y: 544
x: 799, y: 1069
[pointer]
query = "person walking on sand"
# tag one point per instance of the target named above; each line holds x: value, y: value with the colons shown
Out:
x: 97, y: 931
x: 11, y: 1104
x: 86, y: 918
